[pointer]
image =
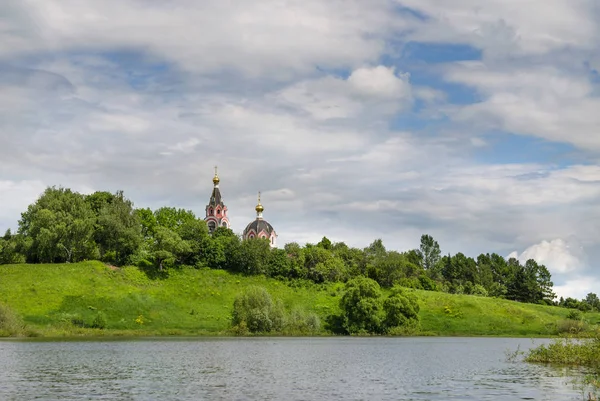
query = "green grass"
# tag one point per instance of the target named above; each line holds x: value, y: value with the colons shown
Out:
x: 57, y: 299
x: 479, y: 316
x: 65, y: 299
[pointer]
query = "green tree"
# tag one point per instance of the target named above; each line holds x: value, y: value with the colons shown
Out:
x: 195, y: 233
x: 592, y: 300
x: 59, y: 227
x: 168, y: 247
x: 361, y: 306
x: 148, y: 222
x: 252, y: 256
x: 429, y: 252
x: 322, y: 265
x: 9, y: 249
x: 325, y: 243
x: 173, y: 218
x: 389, y: 269
x: 297, y: 259
x: 401, y: 308
x: 118, y: 228
x: 353, y: 258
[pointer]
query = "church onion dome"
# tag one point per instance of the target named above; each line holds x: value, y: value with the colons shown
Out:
x: 259, y: 226
x: 259, y: 208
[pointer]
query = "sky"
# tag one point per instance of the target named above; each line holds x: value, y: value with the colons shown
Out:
x: 356, y: 119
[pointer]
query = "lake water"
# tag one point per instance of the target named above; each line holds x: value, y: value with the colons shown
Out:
x: 430, y: 368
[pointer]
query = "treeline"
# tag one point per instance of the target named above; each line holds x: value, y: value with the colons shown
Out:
x: 66, y: 226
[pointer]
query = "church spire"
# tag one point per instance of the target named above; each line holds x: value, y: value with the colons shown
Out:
x: 216, y: 179
x: 216, y: 211
x: 259, y: 208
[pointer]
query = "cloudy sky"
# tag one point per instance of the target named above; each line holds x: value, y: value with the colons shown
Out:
x: 357, y: 119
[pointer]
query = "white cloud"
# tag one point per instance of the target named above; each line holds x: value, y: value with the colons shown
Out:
x: 210, y: 36
x: 368, y: 92
x: 578, y: 287
x: 13, y: 196
x: 511, y: 26
x: 547, y: 102
x: 558, y: 255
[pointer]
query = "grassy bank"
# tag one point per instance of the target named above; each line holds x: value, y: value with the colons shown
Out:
x: 574, y: 352
x: 67, y: 299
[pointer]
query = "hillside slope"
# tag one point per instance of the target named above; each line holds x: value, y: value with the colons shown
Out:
x: 64, y: 299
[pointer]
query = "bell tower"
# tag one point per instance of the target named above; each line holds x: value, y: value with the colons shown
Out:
x: 216, y: 211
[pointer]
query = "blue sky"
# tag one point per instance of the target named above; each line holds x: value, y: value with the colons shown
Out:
x: 356, y: 119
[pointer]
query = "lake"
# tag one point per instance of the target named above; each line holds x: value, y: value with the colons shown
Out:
x: 424, y: 368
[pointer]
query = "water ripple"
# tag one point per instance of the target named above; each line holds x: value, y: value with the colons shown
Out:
x: 276, y: 369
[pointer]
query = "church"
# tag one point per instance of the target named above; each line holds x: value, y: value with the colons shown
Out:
x: 217, y: 216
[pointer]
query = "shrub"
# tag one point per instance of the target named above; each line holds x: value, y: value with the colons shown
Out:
x: 412, y: 282
x: 427, y: 283
x: 571, y: 326
x: 479, y: 290
x: 99, y: 321
x: 365, y: 312
x: 300, y: 321
x: 256, y: 309
x: 574, y: 315
x: 401, y: 310
x: 10, y: 323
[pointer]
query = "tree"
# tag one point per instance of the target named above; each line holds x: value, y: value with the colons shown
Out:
x: 148, y: 222
x: 391, y: 268
x: 60, y: 227
x: 168, y: 247
x: 322, y: 265
x: 325, y: 243
x: 173, y: 218
x: 401, y: 309
x: 9, y: 249
x: 118, y: 228
x: 593, y: 300
x: 296, y: 256
x: 429, y: 251
x: 362, y: 310
x: 252, y: 256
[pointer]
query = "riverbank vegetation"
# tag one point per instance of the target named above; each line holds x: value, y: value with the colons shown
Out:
x: 580, y: 351
x: 96, y: 299
x: 158, y: 248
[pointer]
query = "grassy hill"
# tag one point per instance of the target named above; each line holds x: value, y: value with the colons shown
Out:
x: 65, y: 299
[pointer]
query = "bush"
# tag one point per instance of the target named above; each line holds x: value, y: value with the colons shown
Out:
x: 401, y: 309
x: 10, y: 323
x: 479, y: 290
x: 574, y: 315
x: 427, y: 283
x: 412, y: 282
x: 571, y: 326
x: 364, y: 311
x: 300, y: 321
x: 99, y: 321
x: 257, y: 311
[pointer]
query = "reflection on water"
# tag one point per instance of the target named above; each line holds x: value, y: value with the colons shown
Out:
x: 277, y: 369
